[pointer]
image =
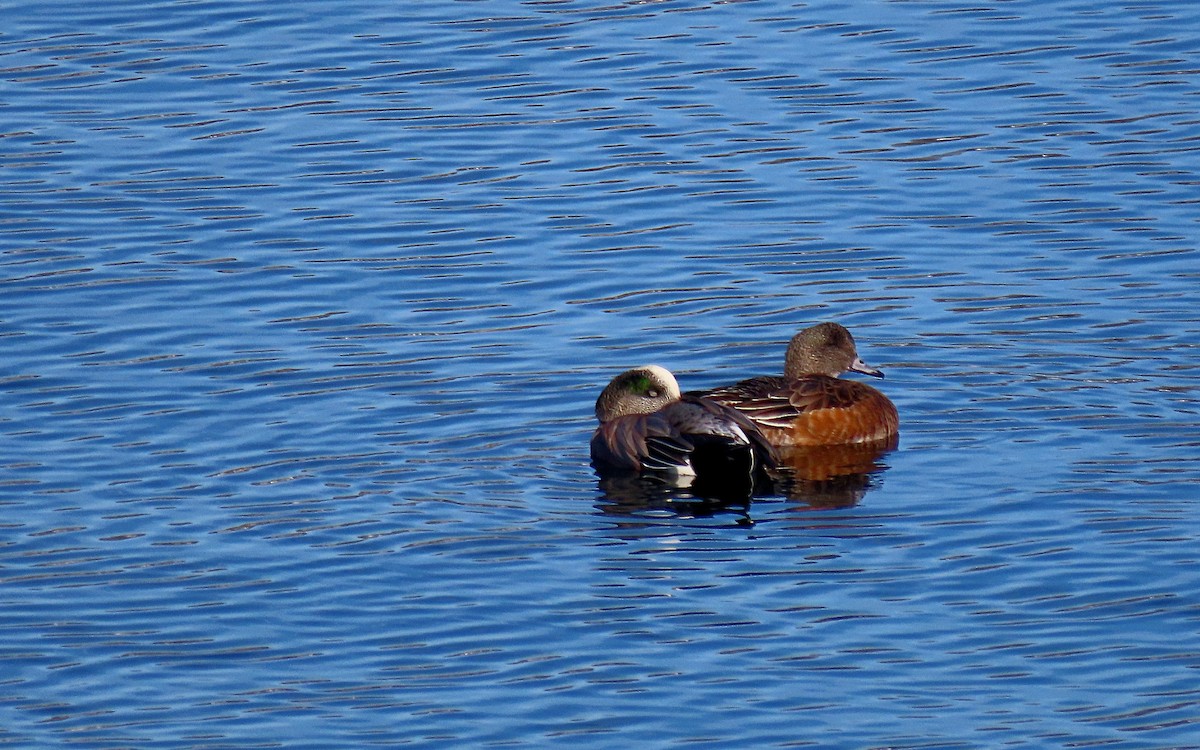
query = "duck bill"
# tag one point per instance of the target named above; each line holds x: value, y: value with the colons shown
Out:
x: 859, y: 366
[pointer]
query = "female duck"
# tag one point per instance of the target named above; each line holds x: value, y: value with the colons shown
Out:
x: 809, y: 405
x: 647, y: 426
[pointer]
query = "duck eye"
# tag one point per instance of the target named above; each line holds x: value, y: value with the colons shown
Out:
x: 652, y: 393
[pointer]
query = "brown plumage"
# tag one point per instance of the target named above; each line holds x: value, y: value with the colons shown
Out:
x: 809, y: 405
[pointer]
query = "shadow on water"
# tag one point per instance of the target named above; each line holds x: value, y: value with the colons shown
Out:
x: 817, y: 477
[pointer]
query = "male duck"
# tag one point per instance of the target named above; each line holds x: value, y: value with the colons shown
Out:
x: 809, y: 405
x: 647, y: 426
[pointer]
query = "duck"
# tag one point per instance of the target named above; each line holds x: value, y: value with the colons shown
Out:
x: 810, y: 405
x: 647, y: 427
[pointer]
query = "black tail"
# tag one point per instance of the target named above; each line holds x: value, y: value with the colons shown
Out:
x: 724, y: 469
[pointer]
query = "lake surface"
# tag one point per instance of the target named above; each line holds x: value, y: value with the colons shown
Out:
x: 304, y: 309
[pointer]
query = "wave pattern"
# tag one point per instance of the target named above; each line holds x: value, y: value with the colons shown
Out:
x: 303, y: 313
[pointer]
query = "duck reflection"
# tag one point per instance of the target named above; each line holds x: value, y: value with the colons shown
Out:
x: 636, y: 495
x: 820, y: 477
x: 831, y: 476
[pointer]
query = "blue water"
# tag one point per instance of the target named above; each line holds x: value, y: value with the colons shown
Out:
x: 304, y: 309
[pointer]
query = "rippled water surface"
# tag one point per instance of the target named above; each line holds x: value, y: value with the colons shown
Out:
x: 304, y: 308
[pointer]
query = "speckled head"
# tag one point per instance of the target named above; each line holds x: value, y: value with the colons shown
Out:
x: 824, y: 349
x: 642, y: 390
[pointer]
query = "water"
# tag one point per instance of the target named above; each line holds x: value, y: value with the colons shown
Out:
x: 303, y: 313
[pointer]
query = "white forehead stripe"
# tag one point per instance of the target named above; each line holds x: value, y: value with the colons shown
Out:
x: 664, y: 375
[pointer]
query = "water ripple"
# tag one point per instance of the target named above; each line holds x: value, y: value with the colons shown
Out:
x: 304, y: 314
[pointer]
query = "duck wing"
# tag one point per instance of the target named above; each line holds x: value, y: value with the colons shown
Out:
x: 690, y: 436
x: 724, y: 437
x: 773, y: 401
x: 640, y: 442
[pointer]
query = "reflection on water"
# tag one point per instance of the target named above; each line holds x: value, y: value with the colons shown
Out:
x: 641, y: 495
x: 832, y: 476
